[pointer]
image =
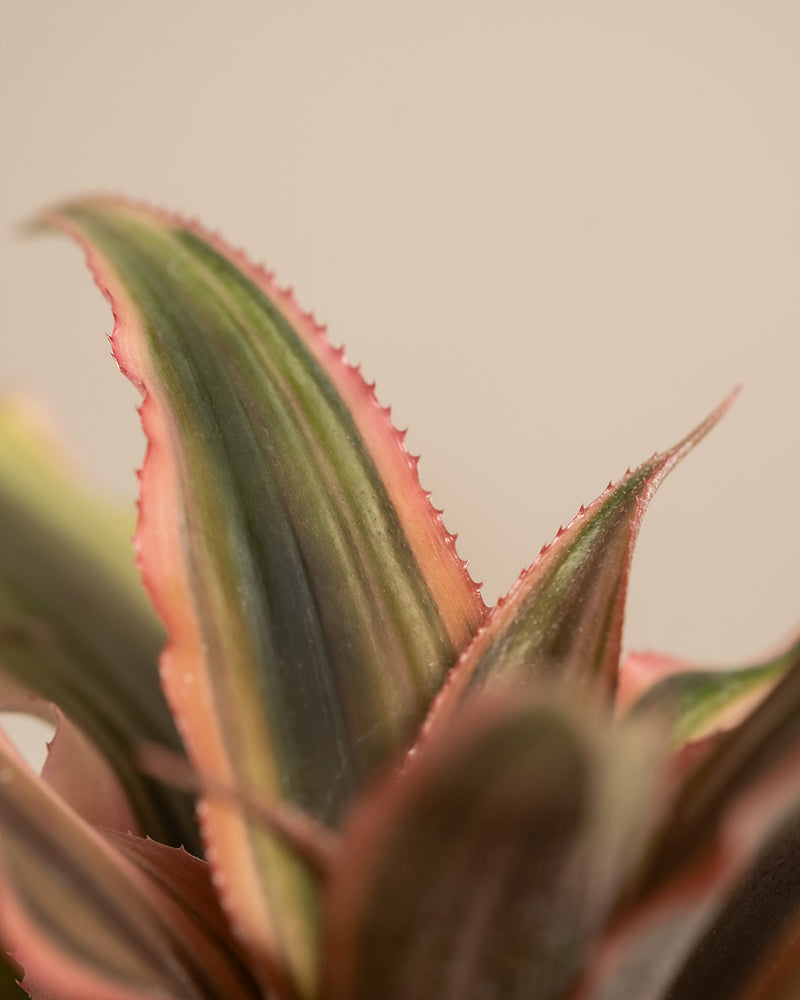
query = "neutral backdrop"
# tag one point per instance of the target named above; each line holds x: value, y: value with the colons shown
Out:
x: 556, y: 233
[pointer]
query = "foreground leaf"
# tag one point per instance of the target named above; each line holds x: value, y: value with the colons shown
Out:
x: 562, y: 621
x: 313, y: 600
x: 485, y: 869
x: 91, y: 918
x: 75, y: 628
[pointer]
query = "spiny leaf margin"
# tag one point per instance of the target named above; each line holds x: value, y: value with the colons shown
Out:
x: 561, y: 623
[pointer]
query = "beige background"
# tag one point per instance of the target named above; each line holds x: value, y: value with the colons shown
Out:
x: 557, y: 233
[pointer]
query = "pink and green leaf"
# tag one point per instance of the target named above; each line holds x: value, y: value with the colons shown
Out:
x: 74, y: 768
x: 75, y: 627
x: 724, y: 851
x: 562, y: 621
x: 313, y: 600
x: 753, y: 753
x: 486, y: 867
x: 698, y: 701
x: 106, y: 917
x: 711, y: 912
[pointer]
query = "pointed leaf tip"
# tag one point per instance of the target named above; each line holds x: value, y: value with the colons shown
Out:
x: 562, y: 620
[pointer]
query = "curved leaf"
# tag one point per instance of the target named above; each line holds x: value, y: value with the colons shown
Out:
x: 105, y: 918
x: 562, y: 620
x: 758, y: 751
x: 75, y: 627
x: 313, y: 600
x: 74, y: 769
x: 9, y: 979
x: 697, y: 701
x: 720, y: 919
x: 487, y: 866
x: 753, y: 939
x: 717, y: 853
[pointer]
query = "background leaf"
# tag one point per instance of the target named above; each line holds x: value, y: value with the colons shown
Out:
x: 721, y: 857
x: 90, y: 916
x: 9, y: 981
x: 759, y: 751
x: 75, y: 627
x: 699, y: 701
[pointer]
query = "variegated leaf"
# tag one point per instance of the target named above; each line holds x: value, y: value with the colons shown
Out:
x: 74, y: 768
x: 698, y: 701
x: 562, y: 621
x: 75, y: 627
x: 485, y: 869
x: 90, y: 917
x: 313, y: 600
x: 739, y: 761
x: 723, y: 848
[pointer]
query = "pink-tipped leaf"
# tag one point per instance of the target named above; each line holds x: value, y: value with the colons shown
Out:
x: 698, y: 701
x: 93, y: 917
x: 312, y: 598
x: 562, y: 621
x: 738, y: 761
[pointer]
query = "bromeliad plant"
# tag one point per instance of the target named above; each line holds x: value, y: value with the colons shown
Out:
x: 402, y: 794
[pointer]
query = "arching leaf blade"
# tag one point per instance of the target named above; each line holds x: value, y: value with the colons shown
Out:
x: 713, y: 917
x: 761, y: 750
x: 699, y: 701
x: 312, y: 598
x: 562, y: 621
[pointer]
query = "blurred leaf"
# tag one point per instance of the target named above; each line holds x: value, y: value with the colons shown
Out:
x: 486, y: 867
x: 91, y: 917
x: 721, y: 857
x: 759, y: 751
x: 757, y: 922
x: 700, y: 701
x: 724, y: 927
x: 75, y: 627
x: 9, y: 979
x: 75, y: 769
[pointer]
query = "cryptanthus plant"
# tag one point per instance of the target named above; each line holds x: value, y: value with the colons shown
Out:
x: 316, y: 766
